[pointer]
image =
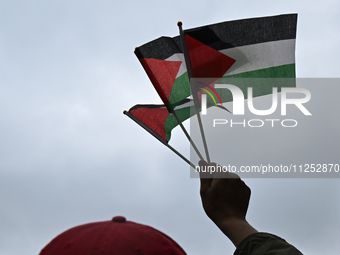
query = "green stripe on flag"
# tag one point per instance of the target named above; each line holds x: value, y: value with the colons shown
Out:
x: 261, y: 86
x: 171, y: 122
x: 180, y: 90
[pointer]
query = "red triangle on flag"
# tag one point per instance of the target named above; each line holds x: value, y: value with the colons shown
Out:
x: 207, y: 62
x: 162, y: 74
x: 153, y: 118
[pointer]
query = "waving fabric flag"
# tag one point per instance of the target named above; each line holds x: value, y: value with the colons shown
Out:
x: 249, y: 48
x: 157, y: 120
x: 228, y: 52
x: 263, y: 50
x: 261, y: 47
x: 164, y: 63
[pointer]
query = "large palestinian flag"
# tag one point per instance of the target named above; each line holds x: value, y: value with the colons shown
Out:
x: 262, y: 47
x: 250, y: 48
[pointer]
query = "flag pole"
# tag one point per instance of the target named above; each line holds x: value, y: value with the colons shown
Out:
x: 163, y: 141
x: 187, y: 135
x: 192, y: 86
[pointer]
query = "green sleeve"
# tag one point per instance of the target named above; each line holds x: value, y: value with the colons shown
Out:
x: 265, y: 244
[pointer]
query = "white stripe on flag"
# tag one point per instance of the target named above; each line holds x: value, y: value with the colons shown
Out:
x: 262, y: 55
x: 252, y: 57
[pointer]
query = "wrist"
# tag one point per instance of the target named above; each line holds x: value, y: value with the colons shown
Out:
x: 236, y: 229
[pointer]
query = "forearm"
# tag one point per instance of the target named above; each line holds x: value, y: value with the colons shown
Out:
x: 236, y: 229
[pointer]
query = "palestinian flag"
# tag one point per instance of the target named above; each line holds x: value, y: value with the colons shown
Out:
x: 157, y: 120
x: 164, y: 63
x: 261, y: 47
x: 249, y: 48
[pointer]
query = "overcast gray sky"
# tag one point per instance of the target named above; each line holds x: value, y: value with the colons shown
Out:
x: 68, y: 155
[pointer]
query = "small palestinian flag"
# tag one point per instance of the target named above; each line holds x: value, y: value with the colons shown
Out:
x: 164, y: 63
x: 249, y: 48
x: 157, y: 120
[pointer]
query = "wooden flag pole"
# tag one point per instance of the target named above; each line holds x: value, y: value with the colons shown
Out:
x: 192, y: 86
x: 158, y: 138
x: 187, y: 135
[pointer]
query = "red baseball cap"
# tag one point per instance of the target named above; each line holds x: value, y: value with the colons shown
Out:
x: 115, y: 237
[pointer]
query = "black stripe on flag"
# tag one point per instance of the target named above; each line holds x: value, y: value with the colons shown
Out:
x: 247, y: 31
x: 161, y: 48
x: 147, y: 106
x: 226, y: 35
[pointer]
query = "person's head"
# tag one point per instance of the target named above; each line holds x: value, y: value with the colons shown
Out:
x: 115, y: 237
